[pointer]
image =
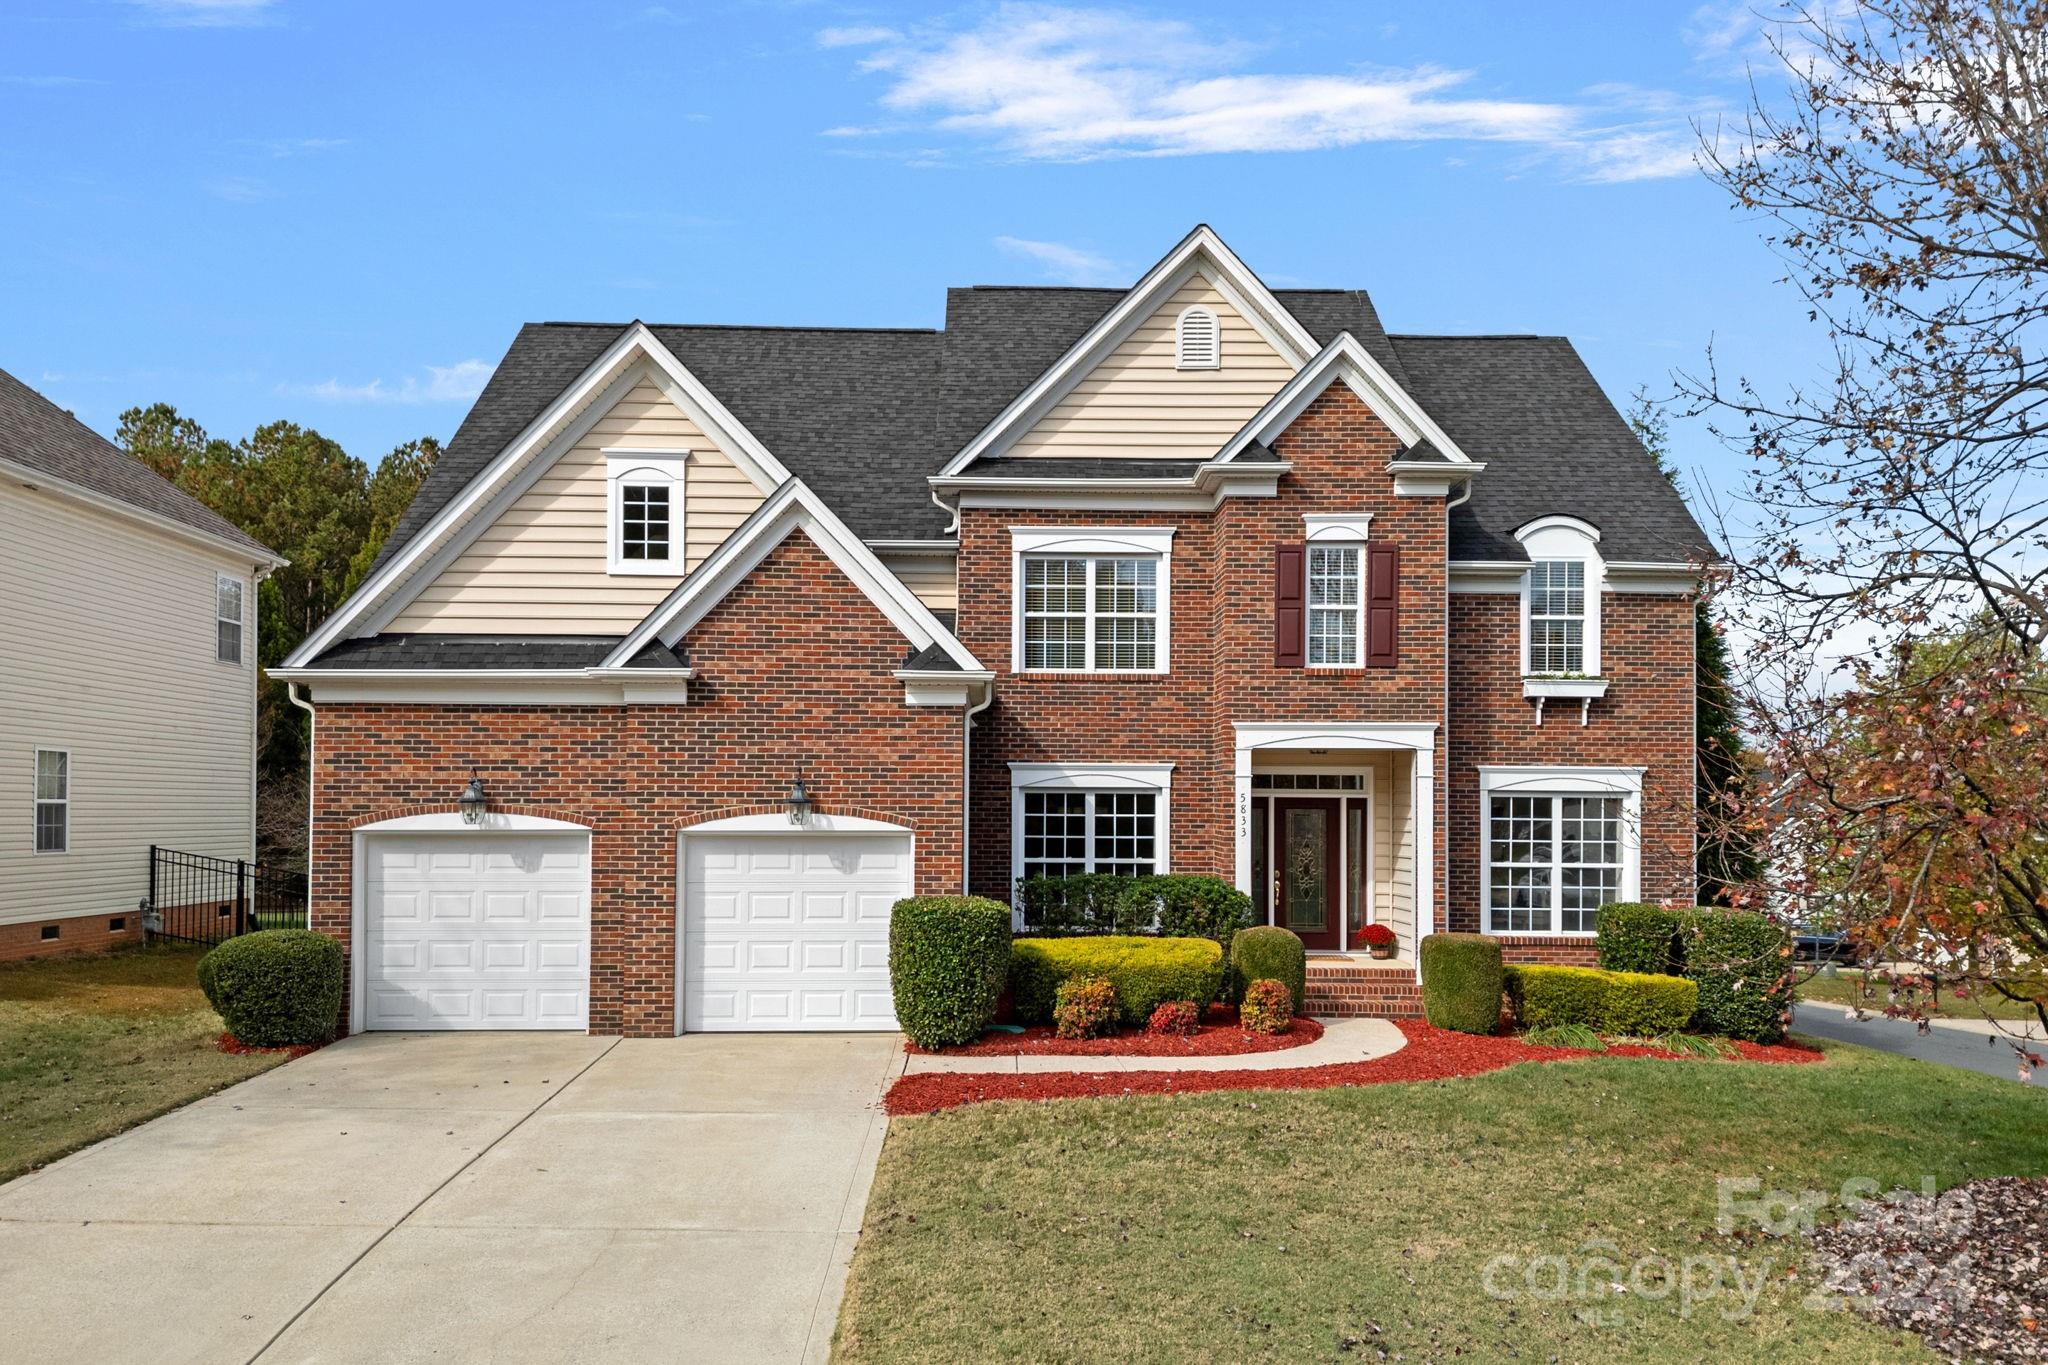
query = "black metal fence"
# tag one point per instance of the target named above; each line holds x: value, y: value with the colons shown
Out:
x: 197, y: 899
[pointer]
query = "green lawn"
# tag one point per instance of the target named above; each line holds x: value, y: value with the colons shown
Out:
x: 1336, y: 1224
x: 93, y: 1044
x: 1846, y: 988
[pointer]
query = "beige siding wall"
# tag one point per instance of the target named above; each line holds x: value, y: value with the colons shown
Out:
x: 1135, y: 403
x: 934, y: 578
x: 107, y: 646
x: 541, y: 569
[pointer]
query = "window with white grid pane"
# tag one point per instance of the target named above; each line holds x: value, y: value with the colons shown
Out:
x: 53, y: 801
x: 1553, y: 861
x: 1335, y: 598
x: 645, y: 504
x: 1557, y: 616
x: 1091, y: 613
x: 1068, y: 832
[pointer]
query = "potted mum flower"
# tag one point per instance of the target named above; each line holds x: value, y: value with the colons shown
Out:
x: 1378, y: 940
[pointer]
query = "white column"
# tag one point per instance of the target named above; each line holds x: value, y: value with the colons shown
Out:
x: 1241, y: 818
x: 1422, y: 793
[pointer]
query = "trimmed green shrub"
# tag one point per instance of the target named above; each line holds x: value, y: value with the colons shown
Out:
x: 1267, y: 1007
x: 948, y: 959
x: 1084, y: 1007
x: 1648, y: 1005
x: 1193, y: 905
x: 1183, y: 905
x: 1638, y: 1004
x: 1742, y: 963
x: 1461, y: 982
x: 1268, y: 953
x: 1145, y: 972
x: 276, y: 988
x: 1633, y: 937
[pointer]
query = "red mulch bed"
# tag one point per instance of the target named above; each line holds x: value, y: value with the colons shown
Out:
x: 1432, y: 1054
x: 1219, y: 1036
x: 230, y: 1045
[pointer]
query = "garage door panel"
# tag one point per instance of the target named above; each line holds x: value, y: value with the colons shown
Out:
x: 790, y: 931
x: 467, y: 931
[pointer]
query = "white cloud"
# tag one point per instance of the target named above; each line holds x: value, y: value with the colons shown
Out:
x: 240, y: 189
x: 856, y: 37
x: 457, y: 383
x: 1065, y: 264
x: 1066, y: 84
x: 207, y: 13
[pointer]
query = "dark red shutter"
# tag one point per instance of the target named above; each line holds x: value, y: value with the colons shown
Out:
x: 1382, y: 606
x: 1290, y: 605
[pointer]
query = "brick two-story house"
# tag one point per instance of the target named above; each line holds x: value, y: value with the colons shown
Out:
x: 732, y: 636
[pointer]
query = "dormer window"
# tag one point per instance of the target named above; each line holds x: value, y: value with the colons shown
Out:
x: 645, y: 507
x: 1198, y: 340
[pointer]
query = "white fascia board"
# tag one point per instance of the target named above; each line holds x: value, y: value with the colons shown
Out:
x: 586, y: 398
x: 1431, y: 478
x: 793, y: 507
x: 914, y: 547
x: 37, y: 481
x: 1486, y: 576
x: 1232, y: 279
x: 502, y: 686
x: 1344, y: 358
x: 1670, y: 580
x: 1202, y: 491
x: 940, y: 687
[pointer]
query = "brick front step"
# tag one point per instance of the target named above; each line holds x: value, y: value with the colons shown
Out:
x: 1341, y: 988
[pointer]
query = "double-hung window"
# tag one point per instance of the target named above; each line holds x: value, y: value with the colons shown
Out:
x: 1554, y: 857
x: 1099, y: 611
x: 1557, y: 616
x: 53, y: 801
x: 228, y: 609
x: 1336, y: 597
x: 646, y: 510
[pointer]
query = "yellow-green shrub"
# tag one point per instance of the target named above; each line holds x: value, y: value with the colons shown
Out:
x: 1145, y: 971
x: 1634, y: 1003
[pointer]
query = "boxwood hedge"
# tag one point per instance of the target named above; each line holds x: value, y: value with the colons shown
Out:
x: 1145, y: 971
x: 1633, y: 937
x: 1639, y: 1004
x: 1268, y: 953
x: 275, y: 988
x: 948, y: 959
x: 1461, y: 982
x: 1742, y: 963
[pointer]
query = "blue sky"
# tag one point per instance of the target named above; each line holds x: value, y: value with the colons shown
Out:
x: 338, y: 213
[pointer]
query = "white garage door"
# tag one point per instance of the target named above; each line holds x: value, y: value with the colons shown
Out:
x: 790, y: 931
x: 476, y: 931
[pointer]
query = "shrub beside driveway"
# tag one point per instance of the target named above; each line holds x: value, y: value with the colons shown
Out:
x: 92, y: 1045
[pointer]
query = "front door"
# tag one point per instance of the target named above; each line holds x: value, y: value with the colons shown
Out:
x: 1305, y: 840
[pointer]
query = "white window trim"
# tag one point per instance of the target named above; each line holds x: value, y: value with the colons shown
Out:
x: 1337, y: 531
x: 641, y: 467
x: 1114, y: 542
x: 36, y: 801
x: 1180, y: 355
x: 1627, y: 783
x: 1564, y: 538
x: 241, y: 624
x: 1156, y: 778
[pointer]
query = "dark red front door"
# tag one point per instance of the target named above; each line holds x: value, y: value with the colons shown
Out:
x: 1305, y: 844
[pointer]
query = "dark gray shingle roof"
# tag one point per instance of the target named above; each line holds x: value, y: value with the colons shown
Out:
x: 36, y: 433
x: 490, y: 651
x: 1552, y: 443
x: 864, y: 416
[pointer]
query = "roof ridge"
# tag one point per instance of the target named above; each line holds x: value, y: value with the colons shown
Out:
x: 745, y: 326
x: 1478, y: 336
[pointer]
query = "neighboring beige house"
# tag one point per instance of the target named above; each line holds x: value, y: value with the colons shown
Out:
x: 127, y: 680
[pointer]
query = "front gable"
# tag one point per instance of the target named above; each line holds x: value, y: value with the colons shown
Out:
x: 541, y: 567
x: 1138, y: 401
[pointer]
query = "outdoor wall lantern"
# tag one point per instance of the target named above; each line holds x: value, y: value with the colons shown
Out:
x: 473, y: 800
x: 799, y: 802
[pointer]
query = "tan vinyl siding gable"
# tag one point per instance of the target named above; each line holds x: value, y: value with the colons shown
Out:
x: 932, y: 578
x: 108, y: 650
x: 1136, y: 403
x: 541, y: 567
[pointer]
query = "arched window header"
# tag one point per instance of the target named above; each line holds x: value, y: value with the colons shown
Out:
x: 1198, y: 340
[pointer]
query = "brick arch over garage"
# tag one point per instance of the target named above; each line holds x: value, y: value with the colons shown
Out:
x: 897, y: 818
x: 574, y: 817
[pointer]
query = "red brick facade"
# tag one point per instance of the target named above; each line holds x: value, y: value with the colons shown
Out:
x: 75, y: 934
x: 794, y: 669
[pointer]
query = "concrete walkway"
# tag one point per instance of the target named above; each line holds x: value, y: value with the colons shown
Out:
x: 454, y: 1197
x: 1343, y: 1040
x: 1972, y: 1044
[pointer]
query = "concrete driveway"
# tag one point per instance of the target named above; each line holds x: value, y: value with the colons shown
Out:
x: 505, y: 1197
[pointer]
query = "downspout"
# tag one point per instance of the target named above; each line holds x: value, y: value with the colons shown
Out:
x: 988, y: 696
x: 1443, y: 873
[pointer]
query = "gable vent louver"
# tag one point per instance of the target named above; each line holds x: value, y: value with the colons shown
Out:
x: 1199, y: 341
